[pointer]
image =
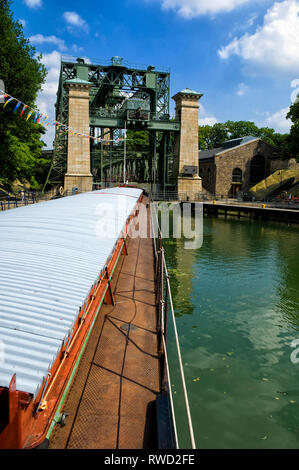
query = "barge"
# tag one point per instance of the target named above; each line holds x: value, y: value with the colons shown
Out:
x: 83, y: 323
x: 56, y: 263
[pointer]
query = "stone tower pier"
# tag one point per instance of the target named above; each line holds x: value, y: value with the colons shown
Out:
x: 186, y: 144
x: 78, y: 173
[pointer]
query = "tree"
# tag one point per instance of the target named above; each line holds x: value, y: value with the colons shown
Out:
x: 238, y: 129
x: 23, y: 75
x: 214, y: 136
x: 292, y: 144
x: 137, y: 141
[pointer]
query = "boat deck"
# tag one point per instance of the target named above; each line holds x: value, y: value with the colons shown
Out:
x: 111, y: 402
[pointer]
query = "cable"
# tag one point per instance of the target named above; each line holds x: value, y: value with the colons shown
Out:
x: 164, y: 266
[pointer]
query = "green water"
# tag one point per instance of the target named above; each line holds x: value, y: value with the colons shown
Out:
x: 237, y: 311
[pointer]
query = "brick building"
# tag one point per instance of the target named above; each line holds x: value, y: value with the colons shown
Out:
x: 236, y: 166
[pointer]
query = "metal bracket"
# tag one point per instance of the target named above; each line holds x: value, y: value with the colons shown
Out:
x: 61, y: 419
x: 109, y: 297
x: 124, y: 248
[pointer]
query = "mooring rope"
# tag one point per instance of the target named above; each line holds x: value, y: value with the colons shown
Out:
x: 164, y: 266
x: 180, y: 358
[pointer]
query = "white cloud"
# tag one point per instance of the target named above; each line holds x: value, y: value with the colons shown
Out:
x: 251, y: 20
x: 278, y: 121
x: 47, y: 97
x: 207, y: 121
x: 77, y: 49
x: 33, y: 3
x: 204, y: 118
x: 75, y: 21
x: 295, y: 93
x: 52, y: 60
x: 242, y: 89
x: 274, y: 47
x: 23, y: 22
x: 294, y: 83
x: 40, y: 39
x: 243, y: 25
x: 193, y: 8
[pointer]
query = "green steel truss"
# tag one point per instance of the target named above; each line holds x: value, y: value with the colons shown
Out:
x: 122, y: 96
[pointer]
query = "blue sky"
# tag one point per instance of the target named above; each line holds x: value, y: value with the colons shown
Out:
x: 243, y: 55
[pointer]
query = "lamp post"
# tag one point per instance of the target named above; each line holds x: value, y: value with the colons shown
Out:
x: 110, y: 152
x: 125, y: 152
x: 102, y: 179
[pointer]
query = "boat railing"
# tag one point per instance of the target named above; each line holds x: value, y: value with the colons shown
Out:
x: 165, y: 306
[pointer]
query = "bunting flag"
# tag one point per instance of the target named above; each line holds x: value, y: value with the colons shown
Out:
x: 42, y: 123
x: 17, y: 106
x: 38, y: 117
x: 24, y: 108
x: 8, y: 101
x: 29, y: 114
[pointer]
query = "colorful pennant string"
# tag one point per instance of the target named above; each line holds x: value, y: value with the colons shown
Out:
x: 28, y: 112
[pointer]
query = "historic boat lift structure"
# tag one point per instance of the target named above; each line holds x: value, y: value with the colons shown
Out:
x: 104, y: 100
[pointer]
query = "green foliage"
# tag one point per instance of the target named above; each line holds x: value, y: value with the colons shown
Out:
x: 293, y: 113
x: 137, y: 140
x: 214, y: 136
x: 293, y: 138
x: 23, y: 75
x: 241, y: 129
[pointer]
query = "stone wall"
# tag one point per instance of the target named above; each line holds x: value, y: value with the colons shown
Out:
x: 207, y: 172
x: 187, y: 107
x: 189, y: 189
x: 78, y: 155
x: 280, y: 164
x: 240, y: 157
x: 217, y: 172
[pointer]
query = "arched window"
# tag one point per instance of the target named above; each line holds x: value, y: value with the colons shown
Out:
x: 237, y: 176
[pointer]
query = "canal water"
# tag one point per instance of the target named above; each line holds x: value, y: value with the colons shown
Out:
x: 237, y: 310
